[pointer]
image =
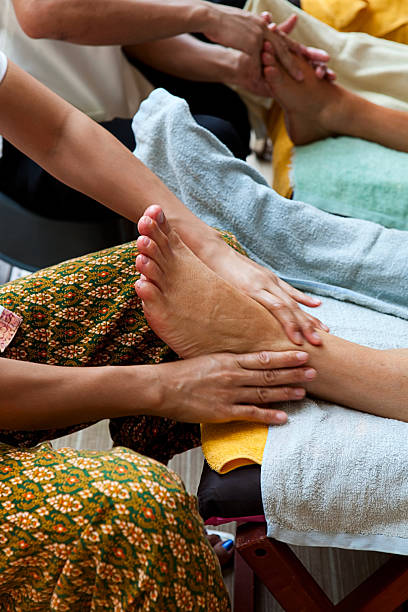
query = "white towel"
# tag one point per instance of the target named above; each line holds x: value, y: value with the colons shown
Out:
x: 338, y: 477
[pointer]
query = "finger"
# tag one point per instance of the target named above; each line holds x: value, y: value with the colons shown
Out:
x: 252, y: 380
x: 267, y: 416
x: 268, y: 59
x: 298, y: 295
x: 272, y: 27
x: 288, y: 25
x: 316, y: 322
x: 294, y: 46
x: 272, y: 76
x: 284, y: 309
x: 330, y: 74
x: 308, y: 330
x: 286, y: 58
x: 266, y: 360
x: 317, y: 55
x: 267, y: 17
x: 320, y: 72
x: 270, y: 395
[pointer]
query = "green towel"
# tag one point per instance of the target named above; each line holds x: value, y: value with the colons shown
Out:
x: 353, y: 178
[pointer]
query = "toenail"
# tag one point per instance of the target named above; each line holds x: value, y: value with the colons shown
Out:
x: 147, y: 220
x: 144, y: 259
x: 228, y: 544
x: 160, y: 217
x: 146, y: 241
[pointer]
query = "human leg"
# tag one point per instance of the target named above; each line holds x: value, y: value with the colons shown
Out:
x: 82, y: 313
x: 310, y: 249
x: 95, y: 530
x: 315, y: 109
x: 194, y: 322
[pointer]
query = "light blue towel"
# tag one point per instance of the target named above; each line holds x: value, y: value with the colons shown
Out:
x: 354, y: 178
x: 331, y: 476
x: 348, y: 259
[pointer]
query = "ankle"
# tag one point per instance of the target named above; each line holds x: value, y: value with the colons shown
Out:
x: 336, y: 116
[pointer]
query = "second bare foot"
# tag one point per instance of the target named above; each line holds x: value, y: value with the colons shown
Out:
x: 313, y: 108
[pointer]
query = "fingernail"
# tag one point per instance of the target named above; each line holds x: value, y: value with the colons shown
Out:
x: 228, y: 544
x: 315, y: 300
x: 316, y: 336
x: 310, y: 373
x: 301, y: 356
x: 281, y: 416
x: 298, y: 338
x: 299, y: 392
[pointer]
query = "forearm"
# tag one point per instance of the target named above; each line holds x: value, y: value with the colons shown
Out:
x: 83, y: 155
x: 189, y: 58
x: 112, y: 22
x: 37, y: 396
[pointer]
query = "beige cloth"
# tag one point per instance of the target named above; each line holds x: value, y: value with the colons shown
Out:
x: 373, y: 68
x: 96, y: 79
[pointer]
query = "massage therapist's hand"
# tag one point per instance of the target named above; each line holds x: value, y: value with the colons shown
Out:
x: 265, y: 287
x: 225, y: 387
x: 283, y: 48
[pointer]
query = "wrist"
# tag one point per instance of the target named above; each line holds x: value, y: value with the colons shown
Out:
x: 127, y: 390
x: 226, y: 64
x: 205, y: 16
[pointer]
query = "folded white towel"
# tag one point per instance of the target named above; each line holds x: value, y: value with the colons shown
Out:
x: 338, y: 477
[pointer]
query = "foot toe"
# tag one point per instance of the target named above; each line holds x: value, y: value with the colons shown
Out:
x: 148, y: 247
x: 150, y: 269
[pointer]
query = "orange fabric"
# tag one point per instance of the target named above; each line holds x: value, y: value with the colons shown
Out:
x: 381, y: 18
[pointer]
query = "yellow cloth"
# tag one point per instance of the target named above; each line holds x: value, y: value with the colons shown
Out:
x: 382, y: 18
x: 282, y: 152
x: 227, y: 446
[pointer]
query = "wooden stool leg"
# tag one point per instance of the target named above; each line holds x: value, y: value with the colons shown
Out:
x: 280, y: 571
x: 383, y: 591
x: 244, y: 585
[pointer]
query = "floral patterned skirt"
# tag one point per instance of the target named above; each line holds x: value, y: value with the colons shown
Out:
x: 85, y: 312
x: 87, y: 530
x: 113, y: 531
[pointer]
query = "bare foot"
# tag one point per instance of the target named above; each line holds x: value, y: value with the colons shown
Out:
x: 313, y: 108
x: 223, y: 549
x: 191, y: 308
